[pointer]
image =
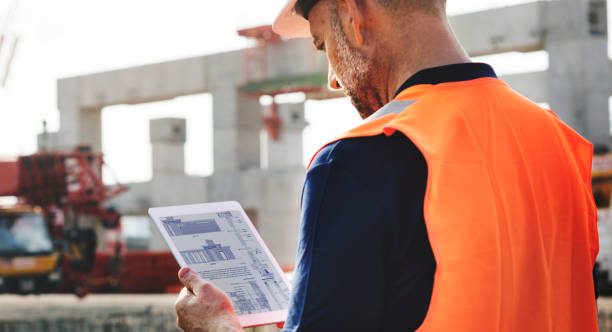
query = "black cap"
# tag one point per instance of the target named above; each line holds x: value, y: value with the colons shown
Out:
x: 303, y: 7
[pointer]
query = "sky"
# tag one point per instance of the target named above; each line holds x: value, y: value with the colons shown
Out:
x: 62, y: 38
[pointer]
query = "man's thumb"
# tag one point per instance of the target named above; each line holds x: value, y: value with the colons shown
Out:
x: 189, y: 278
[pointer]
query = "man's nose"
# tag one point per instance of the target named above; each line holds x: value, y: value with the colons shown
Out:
x: 332, y: 80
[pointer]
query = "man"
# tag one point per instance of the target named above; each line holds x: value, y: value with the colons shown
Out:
x: 458, y: 205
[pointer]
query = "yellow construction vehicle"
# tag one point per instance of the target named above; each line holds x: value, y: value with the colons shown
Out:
x: 29, y: 261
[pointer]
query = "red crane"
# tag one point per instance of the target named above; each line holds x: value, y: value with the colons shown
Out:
x: 65, y: 189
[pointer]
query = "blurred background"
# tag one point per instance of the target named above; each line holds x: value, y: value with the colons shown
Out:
x: 109, y: 107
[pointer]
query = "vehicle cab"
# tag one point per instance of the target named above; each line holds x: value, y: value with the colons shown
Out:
x: 29, y: 263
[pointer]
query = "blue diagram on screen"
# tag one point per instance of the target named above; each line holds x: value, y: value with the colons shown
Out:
x: 250, y: 300
x: 176, y: 227
x: 210, y: 252
x: 222, y: 248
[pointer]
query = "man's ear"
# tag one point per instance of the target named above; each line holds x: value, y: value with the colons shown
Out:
x: 354, y: 19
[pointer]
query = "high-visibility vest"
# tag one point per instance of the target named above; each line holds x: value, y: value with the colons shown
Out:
x: 508, y: 207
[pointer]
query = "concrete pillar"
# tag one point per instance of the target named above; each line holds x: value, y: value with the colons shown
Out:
x: 236, y: 127
x: 279, y: 213
x: 48, y: 141
x: 287, y: 152
x: 168, y: 138
x: 79, y: 126
x: 170, y: 185
x: 280, y: 189
x: 579, y: 79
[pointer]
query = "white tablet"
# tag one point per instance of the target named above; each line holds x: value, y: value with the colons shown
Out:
x: 219, y: 242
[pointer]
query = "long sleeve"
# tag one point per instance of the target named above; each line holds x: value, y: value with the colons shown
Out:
x: 339, y: 282
x: 364, y: 260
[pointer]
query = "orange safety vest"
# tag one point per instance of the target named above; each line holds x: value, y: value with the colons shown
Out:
x: 508, y: 207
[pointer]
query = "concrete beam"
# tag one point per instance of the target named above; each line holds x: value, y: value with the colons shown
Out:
x: 516, y: 28
x: 167, y: 80
x: 294, y: 58
x: 524, y: 27
x: 149, y: 83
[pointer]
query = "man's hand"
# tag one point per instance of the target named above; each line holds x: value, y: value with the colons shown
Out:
x: 202, y: 307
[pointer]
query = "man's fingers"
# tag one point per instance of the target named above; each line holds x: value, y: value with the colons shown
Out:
x: 180, y: 305
x: 182, y: 299
x: 191, y: 280
x: 202, y: 289
x: 183, y: 271
x: 184, y: 295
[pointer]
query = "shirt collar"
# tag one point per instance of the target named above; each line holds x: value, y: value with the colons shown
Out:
x: 449, y: 73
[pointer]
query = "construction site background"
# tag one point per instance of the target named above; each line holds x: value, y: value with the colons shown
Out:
x: 255, y: 104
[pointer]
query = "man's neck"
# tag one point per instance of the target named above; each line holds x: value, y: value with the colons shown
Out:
x: 435, y: 46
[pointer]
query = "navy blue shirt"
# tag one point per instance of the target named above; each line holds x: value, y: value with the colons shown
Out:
x: 364, y: 259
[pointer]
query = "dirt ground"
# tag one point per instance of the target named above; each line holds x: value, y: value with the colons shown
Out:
x: 108, y: 313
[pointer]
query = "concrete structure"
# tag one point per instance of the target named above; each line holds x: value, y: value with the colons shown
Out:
x: 577, y: 85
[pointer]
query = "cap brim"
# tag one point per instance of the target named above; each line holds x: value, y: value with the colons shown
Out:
x: 290, y: 24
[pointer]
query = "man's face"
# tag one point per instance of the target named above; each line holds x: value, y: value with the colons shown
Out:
x: 350, y: 68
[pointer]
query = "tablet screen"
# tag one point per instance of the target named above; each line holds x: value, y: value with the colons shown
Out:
x: 224, y: 249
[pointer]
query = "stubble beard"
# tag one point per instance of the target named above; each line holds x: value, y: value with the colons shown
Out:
x: 356, y: 73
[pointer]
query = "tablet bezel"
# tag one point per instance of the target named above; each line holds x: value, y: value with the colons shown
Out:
x: 157, y: 213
